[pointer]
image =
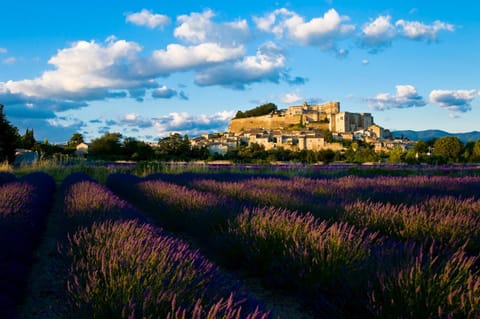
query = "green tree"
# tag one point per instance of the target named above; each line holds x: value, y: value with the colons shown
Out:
x: 420, y: 147
x: 9, y: 138
x: 174, y: 147
x: 326, y: 156
x: 137, y: 150
x: 263, y: 109
x: 76, y: 139
x: 396, y: 155
x: 448, y: 148
x: 251, y: 153
x: 46, y: 150
x: 27, y: 140
x: 107, y: 146
x: 476, y: 152
x: 467, y: 153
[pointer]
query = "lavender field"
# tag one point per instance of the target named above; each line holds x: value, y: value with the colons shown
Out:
x: 339, y: 243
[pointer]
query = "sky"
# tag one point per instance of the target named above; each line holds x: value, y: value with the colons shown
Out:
x: 146, y: 68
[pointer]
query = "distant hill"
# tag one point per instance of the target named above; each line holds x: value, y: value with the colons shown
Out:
x: 431, y: 134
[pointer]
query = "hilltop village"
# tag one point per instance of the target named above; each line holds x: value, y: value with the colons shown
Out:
x: 301, y: 127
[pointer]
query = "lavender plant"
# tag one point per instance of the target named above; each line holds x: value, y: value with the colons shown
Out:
x: 428, y: 284
x: 445, y: 219
x: 175, y: 206
x: 297, y: 249
x: 86, y: 201
x: 129, y: 270
x: 24, y: 205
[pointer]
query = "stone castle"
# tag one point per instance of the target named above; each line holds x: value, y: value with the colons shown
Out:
x: 300, y: 127
x: 326, y: 116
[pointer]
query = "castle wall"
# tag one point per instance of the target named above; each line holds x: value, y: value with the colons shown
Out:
x: 329, y: 107
x: 267, y: 122
x: 326, y: 116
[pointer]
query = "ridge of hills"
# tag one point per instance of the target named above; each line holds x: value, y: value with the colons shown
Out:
x: 432, y: 134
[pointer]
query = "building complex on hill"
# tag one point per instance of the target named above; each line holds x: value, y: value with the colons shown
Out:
x: 300, y: 127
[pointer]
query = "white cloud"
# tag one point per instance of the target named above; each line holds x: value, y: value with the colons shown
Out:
x: 416, y: 30
x: 3, y: 50
x: 406, y: 96
x: 178, y: 57
x: 164, y: 92
x: 148, y: 19
x: 267, y: 65
x: 134, y: 120
x: 379, y: 32
x: 184, y: 123
x: 199, y: 28
x: 10, y: 60
x: 454, y: 100
x: 365, y: 62
x: 323, y: 31
x: 192, y: 124
x: 81, y: 72
x: 291, y: 98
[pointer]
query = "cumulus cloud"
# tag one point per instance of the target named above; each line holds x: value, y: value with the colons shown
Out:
x: 378, y: 33
x: 28, y: 111
x: 291, y: 98
x: 191, y: 124
x: 198, y: 28
x: 183, y: 123
x: 83, y: 71
x: 135, y: 120
x: 178, y: 57
x: 365, y: 62
x: 148, y: 19
x: 323, y: 31
x: 454, y: 100
x: 267, y: 65
x: 167, y: 93
x: 34, y: 104
x: 406, y: 96
x: 416, y: 30
x: 381, y: 32
x: 3, y: 50
x: 88, y: 71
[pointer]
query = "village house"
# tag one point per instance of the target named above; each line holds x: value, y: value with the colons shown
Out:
x: 81, y: 150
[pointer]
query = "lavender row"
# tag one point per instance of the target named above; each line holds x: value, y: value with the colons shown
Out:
x: 448, y: 219
x: 175, y: 206
x: 24, y: 205
x: 326, y: 197
x: 86, y: 201
x: 6, y: 177
x: 274, y: 192
x: 129, y: 269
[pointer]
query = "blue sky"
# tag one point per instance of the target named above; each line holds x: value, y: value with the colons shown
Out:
x: 147, y: 68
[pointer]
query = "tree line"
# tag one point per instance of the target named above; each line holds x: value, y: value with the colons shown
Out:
x: 263, y: 109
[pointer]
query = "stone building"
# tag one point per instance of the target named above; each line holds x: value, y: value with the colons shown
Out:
x: 326, y: 116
